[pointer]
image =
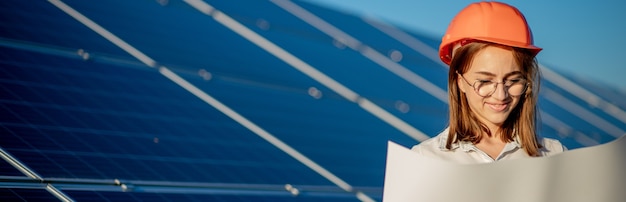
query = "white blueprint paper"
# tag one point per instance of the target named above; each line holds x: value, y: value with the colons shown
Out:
x: 589, y: 174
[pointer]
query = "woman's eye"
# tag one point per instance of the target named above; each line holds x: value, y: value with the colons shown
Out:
x: 514, y: 80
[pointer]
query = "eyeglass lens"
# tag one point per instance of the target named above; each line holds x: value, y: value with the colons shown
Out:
x: 514, y: 87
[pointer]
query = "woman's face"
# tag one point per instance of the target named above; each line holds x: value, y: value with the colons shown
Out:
x: 491, y: 64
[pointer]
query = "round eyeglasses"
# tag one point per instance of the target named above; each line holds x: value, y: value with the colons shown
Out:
x: 485, y: 88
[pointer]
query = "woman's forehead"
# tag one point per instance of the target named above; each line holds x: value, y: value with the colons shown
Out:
x: 494, y: 60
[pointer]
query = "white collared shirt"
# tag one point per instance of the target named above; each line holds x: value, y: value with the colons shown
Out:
x: 465, y: 152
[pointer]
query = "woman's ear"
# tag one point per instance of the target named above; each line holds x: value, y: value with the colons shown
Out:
x: 459, y: 83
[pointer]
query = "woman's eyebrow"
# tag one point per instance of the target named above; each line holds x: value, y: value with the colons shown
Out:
x: 513, y: 73
x: 485, y: 73
x: 492, y: 74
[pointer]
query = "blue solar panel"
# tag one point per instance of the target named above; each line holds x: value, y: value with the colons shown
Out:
x: 17, y: 194
x: 7, y: 169
x: 133, y: 196
x: 103, y: 129
x: 79, y: 110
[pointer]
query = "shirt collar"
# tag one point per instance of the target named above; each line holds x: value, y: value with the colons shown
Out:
x: 467, y: 145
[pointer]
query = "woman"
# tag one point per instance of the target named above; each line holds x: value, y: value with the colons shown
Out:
x: 493, y: 81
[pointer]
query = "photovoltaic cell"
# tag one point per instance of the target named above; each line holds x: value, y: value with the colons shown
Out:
x: 17, y: 194
x: 7, y: 169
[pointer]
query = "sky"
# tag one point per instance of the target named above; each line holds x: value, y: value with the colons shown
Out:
x: 586, y: 39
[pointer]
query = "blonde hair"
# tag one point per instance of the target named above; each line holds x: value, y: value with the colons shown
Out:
x: 465, y: 126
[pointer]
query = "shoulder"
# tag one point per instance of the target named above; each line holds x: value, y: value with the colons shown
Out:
x: 551, y: 146
x: 435, y: 148
x: 430, y: 144
x: 433, y: 144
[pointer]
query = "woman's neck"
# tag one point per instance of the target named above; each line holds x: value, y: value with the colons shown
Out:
x: 495, y: 131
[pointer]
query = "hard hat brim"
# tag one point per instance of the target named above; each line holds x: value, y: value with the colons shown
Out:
x: 445, y: 53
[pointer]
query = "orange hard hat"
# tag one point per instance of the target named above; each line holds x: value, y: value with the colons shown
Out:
x: 487, y: 21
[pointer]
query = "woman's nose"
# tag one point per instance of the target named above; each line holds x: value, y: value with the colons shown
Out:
x: 500, y: 92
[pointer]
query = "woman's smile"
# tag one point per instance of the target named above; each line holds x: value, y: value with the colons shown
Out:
x: 498, y: 107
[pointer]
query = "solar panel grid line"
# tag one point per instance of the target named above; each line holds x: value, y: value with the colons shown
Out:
x: 32, y: 174
x: 49, y: 49
x: 406, y: 39
x: 23, y: 45
x: 73, y: 161
x: 579, y: 125
x: 60, y: 111
x: 18, y: 165
x: 50, y: 143
x: 115, y: 185
x: 18, y: 151
x: 61, y: 108
x: 364, y: 49
x: 391, y: 119
x: 584, y: 94
x: 258, y: 130
x: 56, y: 192
x: 564, y: 128
x: 277, y: 51
x: 48, y: 162
x: 405, y: 73
x: 104, y: 33
x: 171, y: 75
x: 52, y: 121
x: 308, y: 70
x: 19, y: 194
x: 170, y: 159
x: 584, y: 114
x: 6, y: 169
